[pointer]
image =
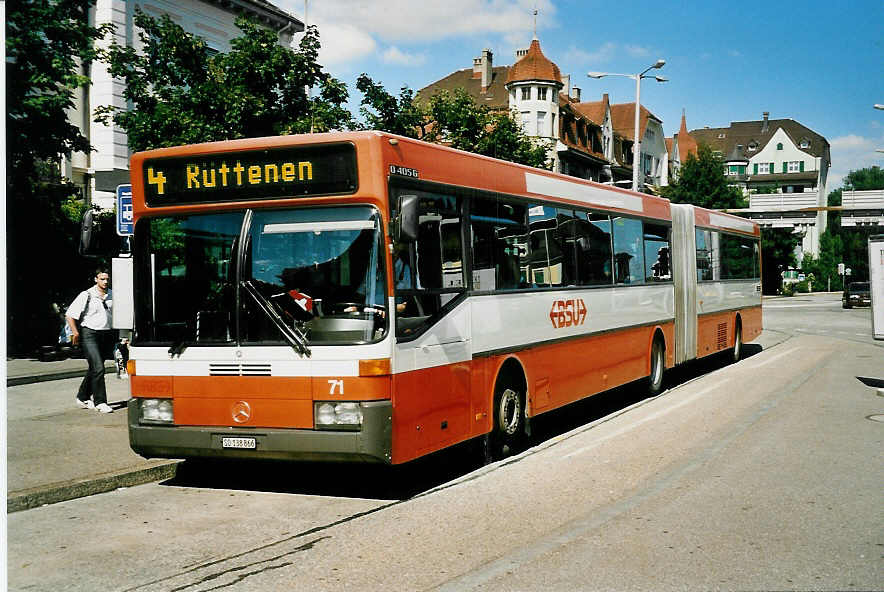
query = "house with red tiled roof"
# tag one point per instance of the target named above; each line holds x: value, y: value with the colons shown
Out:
x: 680, y: 146
x: 579, y: 136
x: 654, y: 161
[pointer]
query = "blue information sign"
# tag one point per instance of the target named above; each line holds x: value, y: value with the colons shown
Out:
x: 124, y: 210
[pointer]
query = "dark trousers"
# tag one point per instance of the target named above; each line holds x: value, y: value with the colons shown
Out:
x: 97, y: 347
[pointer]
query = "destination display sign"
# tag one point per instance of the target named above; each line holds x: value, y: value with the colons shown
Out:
x: 258, y: 174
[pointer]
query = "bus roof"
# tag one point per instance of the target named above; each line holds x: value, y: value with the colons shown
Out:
x: 382, y: 156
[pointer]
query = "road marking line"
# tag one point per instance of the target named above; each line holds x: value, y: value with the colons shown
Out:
x: 652, y: 417
x: 770, y: 359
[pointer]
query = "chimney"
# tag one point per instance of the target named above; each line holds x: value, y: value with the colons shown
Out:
x: 575, y: 93
x: 764, y: 124
x: 520, y: 53
x: 487, y: 57
x: 566, y: 83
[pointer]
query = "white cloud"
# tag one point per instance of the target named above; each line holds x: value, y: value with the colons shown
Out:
x: 605, y: 53
x: 599, y: 56
x: 853, y: 152
x: 637, y: 51
x: 394, y: 55
x: 352, y: 29
x: 342, y: 43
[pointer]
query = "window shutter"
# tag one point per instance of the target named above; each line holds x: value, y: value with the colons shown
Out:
x: 771, y: 170
x: 755, y: 169
x: 801, y: 166
x: 785, y: 165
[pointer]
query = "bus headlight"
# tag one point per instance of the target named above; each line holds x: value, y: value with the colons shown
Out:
x: 328, y: 414
x: 157, y: 410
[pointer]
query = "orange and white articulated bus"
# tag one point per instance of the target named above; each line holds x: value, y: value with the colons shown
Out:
x: 363, y: 296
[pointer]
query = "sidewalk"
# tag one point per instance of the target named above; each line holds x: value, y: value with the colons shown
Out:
x: 57, y: 451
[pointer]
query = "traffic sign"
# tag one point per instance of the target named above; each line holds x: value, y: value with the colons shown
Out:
x: 124, y: 210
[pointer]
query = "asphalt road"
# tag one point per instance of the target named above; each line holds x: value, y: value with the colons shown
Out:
x: 760, y: 475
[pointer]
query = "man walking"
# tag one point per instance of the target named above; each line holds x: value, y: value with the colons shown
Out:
x: 90, y: 320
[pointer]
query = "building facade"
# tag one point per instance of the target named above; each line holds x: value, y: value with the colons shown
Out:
x: 782, y: 167
x: 582, y: 139
x: 107, y: 166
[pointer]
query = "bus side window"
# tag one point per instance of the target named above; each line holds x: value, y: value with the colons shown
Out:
x: 593, y: 242
x: 629, y: 263
x: 657, y: 261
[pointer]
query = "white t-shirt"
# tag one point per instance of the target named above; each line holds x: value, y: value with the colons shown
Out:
x: 99, y: 316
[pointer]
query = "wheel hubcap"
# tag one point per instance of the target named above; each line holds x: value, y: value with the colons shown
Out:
x: 509, y: 412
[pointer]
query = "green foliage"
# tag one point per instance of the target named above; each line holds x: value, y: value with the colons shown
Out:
x: 456, y: 120
x: 864, y: 179
x: 702, y: 182
x: 48, y: 43
x: 383, y: 111
x: 825, y: 267
x: 450, y: 118
x: 182, y: 94
x: 849, y: 244
x: 777, y: 255
x: 45, y: 42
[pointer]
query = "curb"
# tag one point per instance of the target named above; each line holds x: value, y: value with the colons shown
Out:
x: 41, y: 496
x: 61, y: 375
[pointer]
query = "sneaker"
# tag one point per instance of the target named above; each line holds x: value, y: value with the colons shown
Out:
x: 88, y: 404
x: 104, y: 408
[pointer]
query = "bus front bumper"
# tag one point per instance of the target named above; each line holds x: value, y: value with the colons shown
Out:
x: 372, y: 443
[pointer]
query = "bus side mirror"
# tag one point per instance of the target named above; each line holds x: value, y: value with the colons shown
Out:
x: 407, y: 220
x: 87, y: 226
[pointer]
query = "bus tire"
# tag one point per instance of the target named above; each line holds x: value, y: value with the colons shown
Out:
x: 658, y: 365
x: 737, y: 352
x: 509, y: 420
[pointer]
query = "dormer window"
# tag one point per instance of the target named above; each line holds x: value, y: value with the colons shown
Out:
x: 721, y: 136
x: 805, y: 143
x: 753, y: 146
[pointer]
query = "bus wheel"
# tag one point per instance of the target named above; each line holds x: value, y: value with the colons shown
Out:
x: 738, y: 342
x: 509, y: 422
x: 658, y: 363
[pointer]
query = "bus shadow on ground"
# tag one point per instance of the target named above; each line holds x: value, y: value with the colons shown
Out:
x: 375, y: 481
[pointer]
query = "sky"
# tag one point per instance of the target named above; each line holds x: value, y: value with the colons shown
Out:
x: 818, y: 62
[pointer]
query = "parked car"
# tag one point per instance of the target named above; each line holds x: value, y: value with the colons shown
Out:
x: 856, y: 294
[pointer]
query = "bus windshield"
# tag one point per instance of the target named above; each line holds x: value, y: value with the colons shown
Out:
x: 316, y: 273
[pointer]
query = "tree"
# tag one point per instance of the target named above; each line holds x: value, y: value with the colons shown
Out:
x: 864, y: 179
x: 702, y: 182
x: 777, y: 255
x: 450, y: 118
x: 48, y: 43
x: 181, y: 93
x: 383, y: 111
x: 457, y: 121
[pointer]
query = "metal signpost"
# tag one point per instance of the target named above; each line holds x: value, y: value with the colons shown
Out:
x: 124, y: 210
x: 876, y: 283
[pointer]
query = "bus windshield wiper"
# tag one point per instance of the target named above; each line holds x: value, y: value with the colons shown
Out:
x: 177, y: 348
x: 293, y: 335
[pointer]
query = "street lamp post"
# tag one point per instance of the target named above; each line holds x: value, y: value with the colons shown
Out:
x: 637, y: 144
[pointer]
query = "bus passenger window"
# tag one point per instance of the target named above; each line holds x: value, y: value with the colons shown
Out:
x: 593, y: 243
x: 565, y: 236
x: 499, y: 237
x: 704, y: 254
x: 629, y: 266
x: 545, y: 267
x: 657, y: 260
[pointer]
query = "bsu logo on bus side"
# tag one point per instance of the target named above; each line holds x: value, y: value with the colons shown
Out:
x: 567, y: 313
